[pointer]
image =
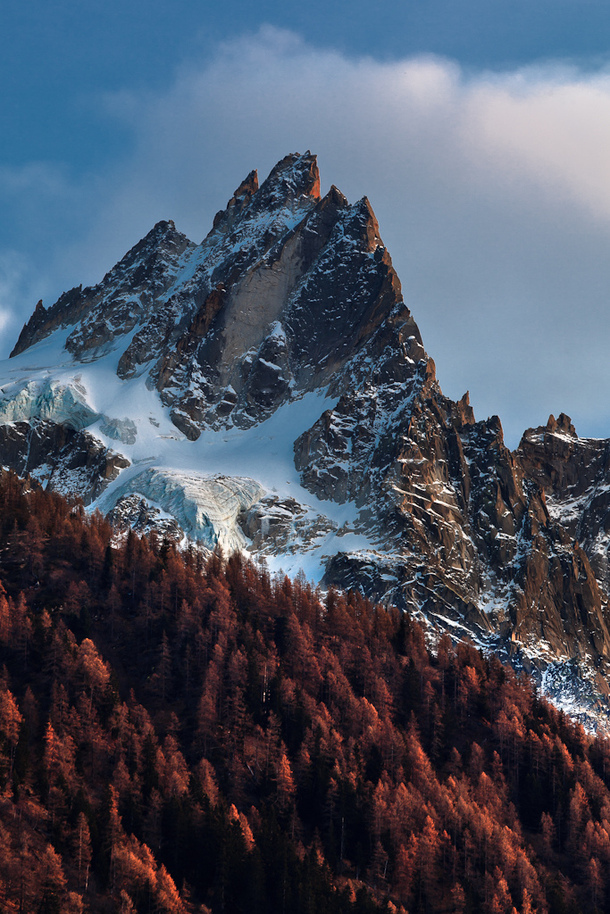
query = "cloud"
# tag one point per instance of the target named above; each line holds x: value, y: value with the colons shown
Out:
x: 15, y: 283
x: 492, y: 192
x: 43, y: 210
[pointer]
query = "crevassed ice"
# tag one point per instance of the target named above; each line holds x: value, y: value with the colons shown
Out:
x: 206, y: 507
x: 47, y: 399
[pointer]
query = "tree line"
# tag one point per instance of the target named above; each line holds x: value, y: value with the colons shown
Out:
x: 185, y: 733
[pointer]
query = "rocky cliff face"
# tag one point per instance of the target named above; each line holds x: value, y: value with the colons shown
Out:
x: 268, y: 390
x: 574, y: 474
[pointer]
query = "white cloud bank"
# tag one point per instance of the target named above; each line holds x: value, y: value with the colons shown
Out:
x: 492, y: 192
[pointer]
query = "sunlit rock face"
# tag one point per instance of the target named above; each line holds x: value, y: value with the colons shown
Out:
x: 268, y: 390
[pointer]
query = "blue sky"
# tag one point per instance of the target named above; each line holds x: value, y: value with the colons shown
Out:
x: 479, y: 130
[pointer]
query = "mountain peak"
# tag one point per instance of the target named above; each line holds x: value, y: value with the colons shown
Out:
x: 562, y: 423
x: 247, y: 187
x: 43, y: 321
x: 294, y: 176
x: 162, y: 239
x: 224, y: 218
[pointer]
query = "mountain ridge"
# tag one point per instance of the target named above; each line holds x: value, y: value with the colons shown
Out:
x: 268, y: 389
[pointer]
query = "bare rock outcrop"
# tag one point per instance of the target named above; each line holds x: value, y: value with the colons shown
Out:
x: 67, y: 460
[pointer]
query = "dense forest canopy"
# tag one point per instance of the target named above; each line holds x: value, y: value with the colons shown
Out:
x: 181, y: 734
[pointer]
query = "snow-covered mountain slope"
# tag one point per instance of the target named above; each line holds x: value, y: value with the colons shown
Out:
x: 268, y: 390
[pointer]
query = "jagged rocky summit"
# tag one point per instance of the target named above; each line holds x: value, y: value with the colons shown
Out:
x: 268, y: 390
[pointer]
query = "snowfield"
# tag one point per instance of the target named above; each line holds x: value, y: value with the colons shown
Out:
x: 203, y: 484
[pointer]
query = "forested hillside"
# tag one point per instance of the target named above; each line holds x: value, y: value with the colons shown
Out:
x: 181, y: 735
